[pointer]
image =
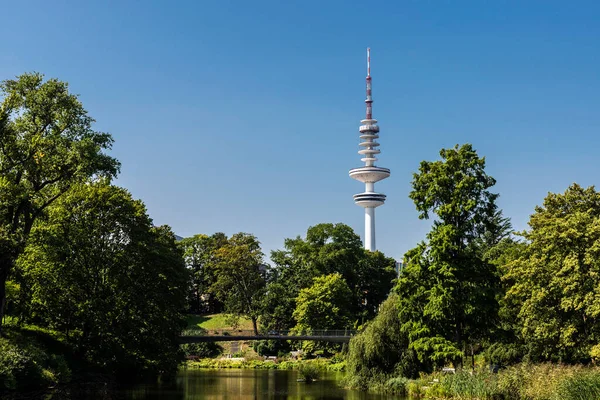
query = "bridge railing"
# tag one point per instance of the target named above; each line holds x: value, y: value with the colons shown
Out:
x: 276, y: 333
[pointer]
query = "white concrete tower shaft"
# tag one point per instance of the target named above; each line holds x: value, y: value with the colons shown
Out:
x: 369, y: 174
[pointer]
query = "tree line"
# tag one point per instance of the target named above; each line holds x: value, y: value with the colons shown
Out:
x: 325, y: 280
x: 81, y: 259
x: 475, y: 288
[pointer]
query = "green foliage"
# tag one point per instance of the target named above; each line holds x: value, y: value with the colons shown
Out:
x: 278, y: 305
x: 324, y: 305
x: 520, y: 382
x: 396, y: 385
x: 464, y: 385
x: 30, y: 359
x: 503, y: 354
x: 217, y: 322
x: 327, y: 249
x: 199, y: 252
x: 47, y: 145
x: 202, y: 350
x: 99, y: 272
x: 308, y: 371
x: 556, y: 281
x: 582, y: 386
x: 271, y: 347
x: 448, y: 289
x: 17, y: 367
x: 380, y: 349
x: 321, y: 364
x: 240, y: 284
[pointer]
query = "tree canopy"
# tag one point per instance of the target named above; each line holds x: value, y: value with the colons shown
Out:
x: 199, y: 252
x: 47, y: 144
x: 448, y: 289
x: 100, y: 272
x: 85, y: 263
x: 240, y: 283
x: 326, y: 305
x: 555, y: 287
x: 335, y: 248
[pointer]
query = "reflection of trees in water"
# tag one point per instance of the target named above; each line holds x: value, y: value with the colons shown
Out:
x: 89, y: 390
x: 210, y: 385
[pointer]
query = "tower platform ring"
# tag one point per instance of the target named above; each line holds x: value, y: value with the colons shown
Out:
x: 369, y: 174
x: 369, y: 199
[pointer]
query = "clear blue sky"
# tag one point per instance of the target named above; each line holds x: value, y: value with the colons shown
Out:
x: 243, y: 115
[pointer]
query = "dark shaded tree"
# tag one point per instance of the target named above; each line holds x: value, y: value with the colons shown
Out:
x: 47, y: 145
x: 240, y: 282
x: 98, y: 271
x: 200, y: 258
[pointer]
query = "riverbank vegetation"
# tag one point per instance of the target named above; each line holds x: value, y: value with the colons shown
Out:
x: 518, y: 382
x: 336, y: 364
x: 475, y: 296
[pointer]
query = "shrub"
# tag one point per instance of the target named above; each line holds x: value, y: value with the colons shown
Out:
x: 309, y: 371
x: 397, y: 385
x: 201, y: 350
x: 584, y: 385
x: 504, y: 354
x: 481, y: 385
x: 415, y: 388
x: 17, y: 368
x: 380, y: 349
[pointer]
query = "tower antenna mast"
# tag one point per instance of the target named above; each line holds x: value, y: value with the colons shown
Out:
x: 369, y: 173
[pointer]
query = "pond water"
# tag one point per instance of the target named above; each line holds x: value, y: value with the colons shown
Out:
x: 221, y: 385
x: 249, y: 384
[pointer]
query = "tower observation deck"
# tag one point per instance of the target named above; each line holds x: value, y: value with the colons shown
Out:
x: 369, y: 173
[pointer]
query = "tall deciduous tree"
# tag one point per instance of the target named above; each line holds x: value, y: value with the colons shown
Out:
x: 240, y: 281
x: 47, y: 144
x: 448, y: 290
x: 100, y: 272
x: 325, y: 305
x: 200, y: 257
x: 556, y: 280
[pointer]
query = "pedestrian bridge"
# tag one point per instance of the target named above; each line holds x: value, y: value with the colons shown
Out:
x: 231, y: 335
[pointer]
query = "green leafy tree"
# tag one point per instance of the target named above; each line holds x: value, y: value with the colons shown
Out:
x: 115, y: 285
x: 277, y: 307
x: 335, y: 248
x: 200, y: 257
x: 240, y: 283
x: 47, y: 145
x: 448, y: 289
x: 324, y: 305
x: 381, y: 349
x: 556, y: 280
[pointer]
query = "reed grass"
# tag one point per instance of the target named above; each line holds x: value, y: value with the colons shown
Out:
x: 519, y: 382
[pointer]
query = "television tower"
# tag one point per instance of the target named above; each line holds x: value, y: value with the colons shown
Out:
x: 369, y: 174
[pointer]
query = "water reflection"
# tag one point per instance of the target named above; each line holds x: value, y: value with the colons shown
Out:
x: 246, y: 385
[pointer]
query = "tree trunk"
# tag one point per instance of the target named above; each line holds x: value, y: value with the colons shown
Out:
x: 5, y: 265
x: 254, y: 325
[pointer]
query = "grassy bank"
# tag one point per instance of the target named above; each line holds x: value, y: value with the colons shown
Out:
x: 520, y: 382
x: 217, y: 322
x: 32, y: 357
x: 322, y: 364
